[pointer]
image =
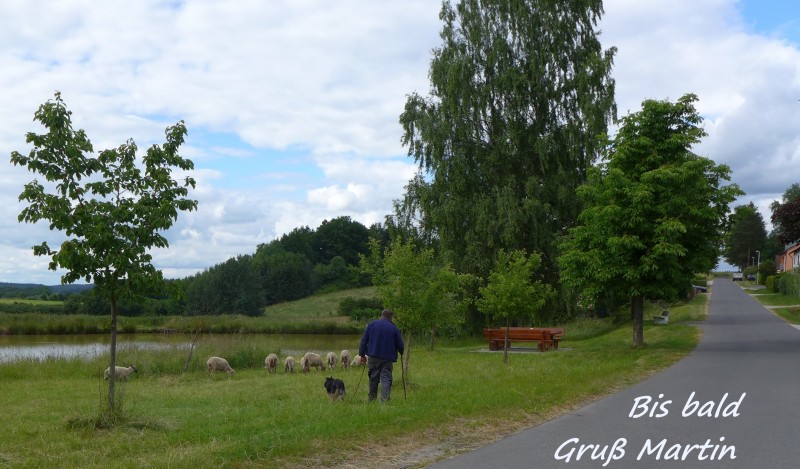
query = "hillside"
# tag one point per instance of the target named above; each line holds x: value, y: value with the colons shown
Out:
x: 26, y: 290
x: 320, y: 305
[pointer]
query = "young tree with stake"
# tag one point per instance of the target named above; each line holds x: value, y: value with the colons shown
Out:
x: 110, y: 208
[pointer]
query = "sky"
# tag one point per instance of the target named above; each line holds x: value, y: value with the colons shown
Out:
x: 292, y: 107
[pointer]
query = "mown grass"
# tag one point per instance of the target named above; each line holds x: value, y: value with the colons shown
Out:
x: 785, y: 306
x: 256, y: 419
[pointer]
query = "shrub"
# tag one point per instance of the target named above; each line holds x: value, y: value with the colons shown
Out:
x: 789, y: 283
x: 700, y: 281
x: 350, y: 304
x: 765, y: 270
x: 771, y: 284
x: 364, y: 314
x: 750, y: 270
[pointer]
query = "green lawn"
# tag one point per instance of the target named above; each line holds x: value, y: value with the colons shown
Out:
x: 458, y: 395
x: 785, y: 306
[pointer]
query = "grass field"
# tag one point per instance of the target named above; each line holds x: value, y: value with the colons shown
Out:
x: 315, y: 307
x: 11, y: 301
x: 256, y: 419
x: 317, y: 314
x: 785, y: 306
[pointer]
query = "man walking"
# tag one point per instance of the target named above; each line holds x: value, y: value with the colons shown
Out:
x: 380, y: 345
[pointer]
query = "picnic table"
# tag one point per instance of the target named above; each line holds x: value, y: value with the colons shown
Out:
x: 547, y: 337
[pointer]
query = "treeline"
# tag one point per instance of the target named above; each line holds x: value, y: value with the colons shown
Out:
x: 298, y: 264
x: 301, y: 263
x: 36, y: 291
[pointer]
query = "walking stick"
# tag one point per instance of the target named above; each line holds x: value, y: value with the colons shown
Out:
x: 403, y: 376
x: 363, y: 369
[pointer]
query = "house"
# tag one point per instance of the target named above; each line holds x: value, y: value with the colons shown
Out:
x: 788, y: 259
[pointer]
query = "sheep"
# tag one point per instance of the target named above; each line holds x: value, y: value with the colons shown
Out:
x: 218, y: 364
x: 331, y: 360
x: 358, y: 362
x: 345, y: 359
x: 271, y: 363
x: 120, y: 372
x: 288, y: 365
x: 311, y: 359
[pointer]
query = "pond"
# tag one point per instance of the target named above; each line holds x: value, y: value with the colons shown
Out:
x: 41, y: 347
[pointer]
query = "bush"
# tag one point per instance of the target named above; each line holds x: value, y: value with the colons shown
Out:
x: 789, y: 283
x: 700, y: 282
x: 771, y: 284
x: 350, y: 304
x: 364, y: 314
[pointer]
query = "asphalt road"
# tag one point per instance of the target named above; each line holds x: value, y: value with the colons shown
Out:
x: 734, y: 402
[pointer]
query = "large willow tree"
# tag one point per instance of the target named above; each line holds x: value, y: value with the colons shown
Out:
x: 520, y: 91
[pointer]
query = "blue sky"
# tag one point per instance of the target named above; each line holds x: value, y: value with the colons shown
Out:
x: 778, y: 18
x: 292, y: 106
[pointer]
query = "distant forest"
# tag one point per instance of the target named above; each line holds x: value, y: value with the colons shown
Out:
x: 40, y: 292
x: 298, y: 264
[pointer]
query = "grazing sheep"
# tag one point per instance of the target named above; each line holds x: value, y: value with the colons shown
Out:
x: 331, y: 360
x: 358, y: 362
x: 345, y: 359
x: 271, y: 363
x: 288, y: 364
x: 218, y: 364
x: 311, y: 359
x: 120, y: 372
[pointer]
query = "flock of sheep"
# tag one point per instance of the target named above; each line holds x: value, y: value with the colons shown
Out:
x: 309, y: 360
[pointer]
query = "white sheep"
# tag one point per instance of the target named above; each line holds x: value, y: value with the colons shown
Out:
x: 311, y: 359
x: 288, y: 365
x: 331, y: 360
x: 358, y: 362
x: 120, y: 372
x: 271, y: 363
x: 345, y: 359
x: 218, y: 364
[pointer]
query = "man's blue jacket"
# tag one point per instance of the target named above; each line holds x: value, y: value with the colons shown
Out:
x: 382, y: 340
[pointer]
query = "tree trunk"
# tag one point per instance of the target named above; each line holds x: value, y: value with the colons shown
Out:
x: 637, y: 312
x: 505, y: 341
x: 112, y: 378
x: 191, y: 349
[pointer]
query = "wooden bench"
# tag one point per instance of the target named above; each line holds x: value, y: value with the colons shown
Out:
x: 547, y: 337
x: 663, y: 319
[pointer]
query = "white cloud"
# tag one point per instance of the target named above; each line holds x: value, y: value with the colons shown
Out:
x: 316, y: 89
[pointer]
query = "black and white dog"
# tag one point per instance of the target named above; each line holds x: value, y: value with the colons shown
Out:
x: 335, y: 388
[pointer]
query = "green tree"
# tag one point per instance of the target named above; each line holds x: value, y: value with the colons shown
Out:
x: 747, y: 234
x: 520, y: 92
x: 231, y: 287
x: 341, y: 237
x: 511, y: 293
x: 424, y: 295
x: 655, y: 211
x: 772, y: 247
x: 111, y: 209
x: 284, y: 275
x: 786, y: 216
x: 786, y: 219
x: 300, y: 241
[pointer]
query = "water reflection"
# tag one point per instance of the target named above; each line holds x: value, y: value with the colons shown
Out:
x: 43, y: 347
x: 79, y: 346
